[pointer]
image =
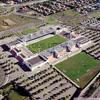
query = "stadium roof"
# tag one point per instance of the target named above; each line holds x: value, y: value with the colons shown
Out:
x: 36, y: 35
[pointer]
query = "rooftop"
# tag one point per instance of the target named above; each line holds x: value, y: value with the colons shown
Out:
x: 35, y: 60
x: 23, y: 51
x: 36, y: 35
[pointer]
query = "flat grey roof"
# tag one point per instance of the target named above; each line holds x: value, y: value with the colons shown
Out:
x: 35, y: 60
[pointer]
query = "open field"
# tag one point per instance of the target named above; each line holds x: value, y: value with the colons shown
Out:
x: 95, y: 14
x: 80, y: 68
x: 68, y: 17
x: 51, y: 20
x: 30, y: 30
x: 46, y: 43
x: 18, y: 20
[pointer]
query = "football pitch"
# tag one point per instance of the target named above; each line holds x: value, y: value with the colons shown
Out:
x: 81, y: 68
x: 46, y: 43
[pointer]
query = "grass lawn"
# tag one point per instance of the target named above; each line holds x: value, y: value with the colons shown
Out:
x: 51, y: 20
x: 80, y: 66
x: 27, y: 31
x: 46, y: 43
x: 15, y: 96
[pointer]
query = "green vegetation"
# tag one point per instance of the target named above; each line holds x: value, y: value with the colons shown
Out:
x: 19, y: 21
x: 71, y: 13
x: 95, y: 14
x: 67, y: 16
x: 27, y: 31
x: 46, y: 43
x: 15, y: 96
x: 7, y: 88
x: 51, y: 20
x: 11, y: 93
x: 79, y: 68
x: 1, y: 9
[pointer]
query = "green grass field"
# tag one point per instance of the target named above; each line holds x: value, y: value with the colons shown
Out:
x: 28, y: 31
x: 46, y: 43
x: 80, y: 66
